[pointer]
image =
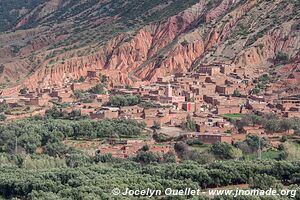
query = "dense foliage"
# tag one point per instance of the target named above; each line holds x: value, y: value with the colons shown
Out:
x: 271, y: 122
x: 124, y: 100
x: 98, y: 89
x: 189, y: 124
x: 10, y: 11
x: 95, y: 181
x: 27, y: 135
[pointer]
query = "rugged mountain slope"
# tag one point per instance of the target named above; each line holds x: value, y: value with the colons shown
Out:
x: 134, y: 41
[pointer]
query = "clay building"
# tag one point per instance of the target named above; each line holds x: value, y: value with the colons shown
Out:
x: 131, y: 111
x: 209, y: 138
x: 228, y: 109
x: 168, y: 98
x: 105, y: 113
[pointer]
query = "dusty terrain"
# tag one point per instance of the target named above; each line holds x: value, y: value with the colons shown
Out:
x: 50, y: 45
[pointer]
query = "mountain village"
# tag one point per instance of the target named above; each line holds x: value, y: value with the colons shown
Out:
x: 210, y: 96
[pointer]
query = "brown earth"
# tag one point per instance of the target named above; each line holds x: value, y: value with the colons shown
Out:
x: 199, y: 34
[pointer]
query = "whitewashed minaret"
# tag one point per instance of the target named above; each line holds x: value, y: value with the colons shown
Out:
x: 169, y: 90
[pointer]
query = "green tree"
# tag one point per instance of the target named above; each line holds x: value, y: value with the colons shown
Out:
x: 201, y: 157
x: 75, y: 114
x: 169, y: 157
x: 255, y: 142
x: 282, y: 58
x: 272, y: 126
x: 147, y: 157
x: 24, y: 91
x: 124, y: 100
x: 145, y: 148
x: 236, y: 93
x: 2, y: 117
x: 156, y: 125
x: 190, y: 124
x: 54, y: 113
x: 263, y: 182
x: 285, y: 125
x: 55, y: 149
x: 225, y: 151
x: 81, y: 79
x: 98, y: 89
x: 3, y: 107
x: 181, y: 149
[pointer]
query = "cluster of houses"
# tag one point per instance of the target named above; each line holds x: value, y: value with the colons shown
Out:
x: 206, y: 95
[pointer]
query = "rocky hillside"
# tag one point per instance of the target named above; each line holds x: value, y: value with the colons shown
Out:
x: 47, y: 43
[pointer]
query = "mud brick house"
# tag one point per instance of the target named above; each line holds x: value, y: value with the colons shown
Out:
x: 156, y: 92
x: 225, y: 90
x: 213, y: 121
x: 153, y: 97
x: 63, y: 95
x: 209, y: 138
x: 211, y: 71
x: 101, y: 98
x: 93, y: 104
x: 177, y: 117
x: 131, y: 148
x: 165, y: 80
x: 92, y: 74
x: 44, y: 90
x: 214, y: 99
x: 86, y: 111
x: 189, y: 106
x: 228, y: 109
x: 233, y: 101
x: 199, y: 78
x: 60, y: 93
x: 239, y: 137
x: 198, y: 99
x: 226, y: 69
x: 265, y: 110
x: 187, y: 94
x: 131, y: 111
x: 144, y: 90
x: 208, y: 88
x: 209, y: 79
x: 84, y: 86
x: 287, y: 103
x: 239, y: 71
x: 199, y: 120
x: 169, y: 98
x: 150, y: 113
x: 207, y: 128
x: 41, y: 100
x: 11, y: 101
x: 292, y: 112
x: 105, y: 113
x: 235, y: 75
x: 256, y: 98
x: 29, y: 95
x: 181, y: 74
x: 162, y: 112
x: 290, y: 100
x: 253, y: 130
x: 255, y: 105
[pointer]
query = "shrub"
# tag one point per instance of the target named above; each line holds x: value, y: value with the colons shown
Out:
x: 282, y: 58
x: 98, y: 89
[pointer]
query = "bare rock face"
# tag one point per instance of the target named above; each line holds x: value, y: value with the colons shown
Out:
x: 40, y: 12
x: 235, y: 31
x: 118, y: 58
x: 219, y: 10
